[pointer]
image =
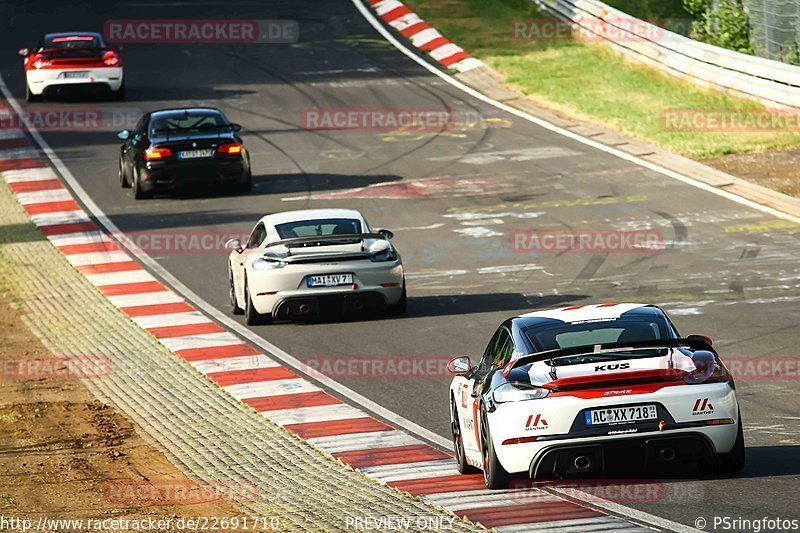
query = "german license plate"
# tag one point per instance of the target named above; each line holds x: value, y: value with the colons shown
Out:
x: 195, y: 154
x: 621, y: 415
x: 329, y: 280
x: 76, y: 74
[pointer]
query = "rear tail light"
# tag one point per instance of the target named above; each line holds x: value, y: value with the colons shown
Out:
x: 40, y: 62
x: 519, y: 440
x: 111, y: 59
x: 157, y: 154
x: 230, y: 149
x: 708, y: 369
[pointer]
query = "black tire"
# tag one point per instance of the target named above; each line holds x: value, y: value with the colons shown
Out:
x: 251, y: 316
x: 399, y: 309
x: 733, y: 461
x: 123, y: 178
x: 232, y: 295
x: 458, y: 442
x: 119, y: 94
x: 29, y: 96
x: 494, y: 475
x: 138, y: 193
x: 247, y: 184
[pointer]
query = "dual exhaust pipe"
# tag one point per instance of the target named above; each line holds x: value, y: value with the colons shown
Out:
x: 584, y: 462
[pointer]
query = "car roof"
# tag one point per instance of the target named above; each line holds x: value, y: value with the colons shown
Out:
x: 175, y: 110
x: 580, y: 313
x: 310, y: 214
x: 72, y: 33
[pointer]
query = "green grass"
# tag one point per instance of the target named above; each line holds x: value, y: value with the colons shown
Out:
x: 590, y: 82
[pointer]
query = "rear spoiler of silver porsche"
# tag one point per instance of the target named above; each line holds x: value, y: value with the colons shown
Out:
x: 325, y: 240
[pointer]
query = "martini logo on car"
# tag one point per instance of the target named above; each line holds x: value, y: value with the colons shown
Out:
x: 702, y: 407
x: 535, y: 423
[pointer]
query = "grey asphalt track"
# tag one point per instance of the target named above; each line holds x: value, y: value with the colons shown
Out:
x: 454, y: 198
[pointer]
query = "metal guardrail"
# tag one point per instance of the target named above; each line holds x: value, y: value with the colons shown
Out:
x: 770, y: 82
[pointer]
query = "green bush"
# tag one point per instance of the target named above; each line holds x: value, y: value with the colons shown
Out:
x: 722, y: 23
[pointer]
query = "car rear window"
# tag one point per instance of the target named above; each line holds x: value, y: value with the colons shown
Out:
x: 599, y: 332
x: 72, y: 41
x: 318, y: 228
x: 191, y: 123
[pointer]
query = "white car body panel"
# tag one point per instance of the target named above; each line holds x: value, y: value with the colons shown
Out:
x: 289, y: 282
x: 554, y: 415
x: 39, y: 80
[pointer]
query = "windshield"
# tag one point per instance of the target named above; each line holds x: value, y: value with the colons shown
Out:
x: 318, y: 228
x: 188, y: 123
x: 590, y: 333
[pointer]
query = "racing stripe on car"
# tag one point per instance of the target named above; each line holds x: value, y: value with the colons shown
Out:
x: 385, y: 453
x: 423, y: 36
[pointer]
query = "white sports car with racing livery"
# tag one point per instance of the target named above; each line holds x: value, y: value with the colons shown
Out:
x: 303, y: 263
x: 583, y: 390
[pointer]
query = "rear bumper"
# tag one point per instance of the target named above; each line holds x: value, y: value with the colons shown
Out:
x: 169, y: 175
x: 283, y: 291
x: 655, y: 452
x: 42, y: 80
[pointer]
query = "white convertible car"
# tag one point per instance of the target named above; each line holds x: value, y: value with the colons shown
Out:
x: 302, y: 263
x: 592, y: 389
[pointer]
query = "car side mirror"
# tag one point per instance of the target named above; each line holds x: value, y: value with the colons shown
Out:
x: 459, y: 366
x: 389, y: 234
x: 24, y: 52
x: 236, y: 127
x: 124, y: 135
x: 234, y: 245
x: 700, y: 338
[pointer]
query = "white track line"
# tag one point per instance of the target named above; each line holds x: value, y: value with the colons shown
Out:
x: 147, y: 299
x: 230, y: 364
x: 420, y: 470
x: 363, y: 441
x: 28, y: 174
x: 275, y: 387
x: 139, y: 275
x: 305, y: 415
x: 185, y: 318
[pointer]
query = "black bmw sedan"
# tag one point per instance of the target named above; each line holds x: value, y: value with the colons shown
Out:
x: 170, y: 148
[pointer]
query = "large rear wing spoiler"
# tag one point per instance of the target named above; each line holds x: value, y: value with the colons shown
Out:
x: 693, y: 342
x: 297, y: 242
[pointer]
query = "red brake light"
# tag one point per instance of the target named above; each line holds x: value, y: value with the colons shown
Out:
x: 40, y: 62
x: 157, y: 154
x: 111, y: 59
x: 230, y: 149
x: 708, y: 369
